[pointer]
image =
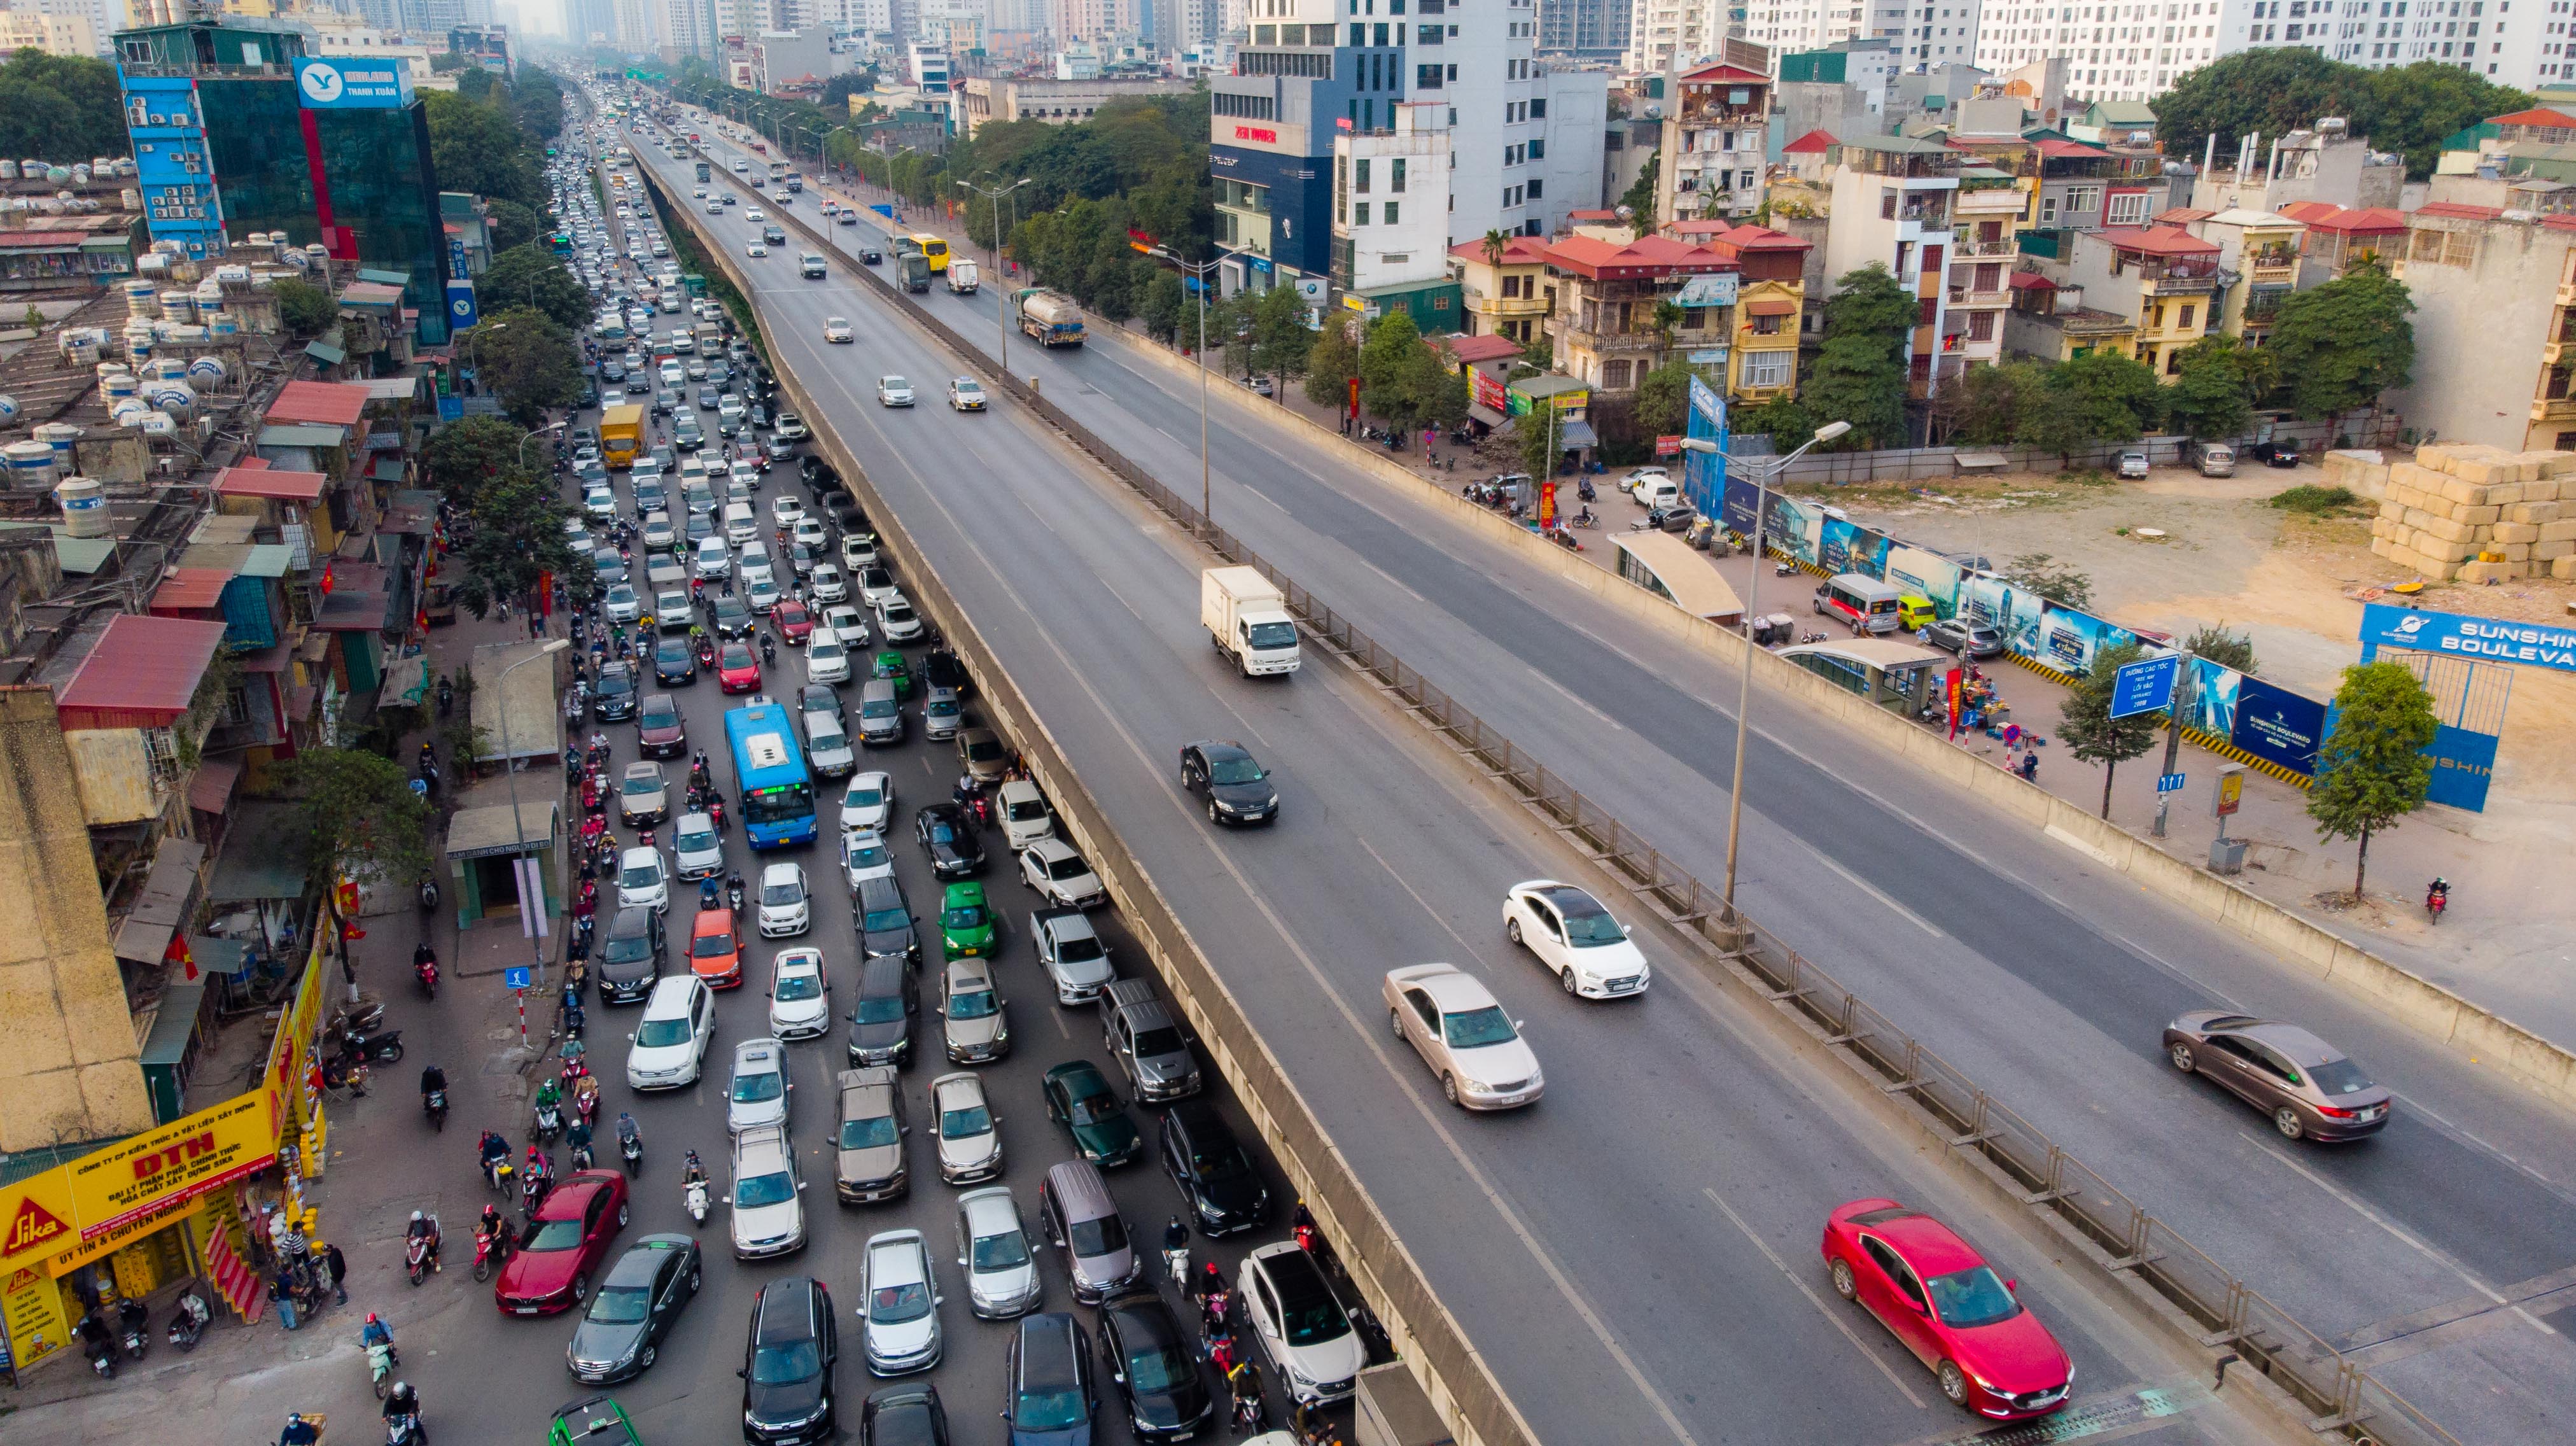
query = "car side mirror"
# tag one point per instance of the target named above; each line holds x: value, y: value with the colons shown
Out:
x: 740, y: 1371
x: 630, y: 1039
x: 2012, y: 1285
x: 729, y: 1200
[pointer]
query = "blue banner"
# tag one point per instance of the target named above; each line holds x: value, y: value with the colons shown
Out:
x: 1704, y: 473
x: 2278, y: 725
x: 2145, y: 686
x: 345, y: 82
x: 2497, y: 640
x: 461, y: 309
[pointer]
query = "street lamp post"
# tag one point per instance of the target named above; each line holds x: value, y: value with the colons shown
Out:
x: 1763, y: 474
x: 1198, y: 272
x: 1001, y: 293
x: 532, y: 436
x: 510, y: 771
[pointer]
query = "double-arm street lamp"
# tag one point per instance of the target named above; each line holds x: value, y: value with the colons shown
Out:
x: 1764, y: 471
x: 1198, y: 272
x: 1001, y: 293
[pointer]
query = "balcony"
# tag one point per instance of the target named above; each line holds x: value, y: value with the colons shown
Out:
x: 2554, y: 409
x: 1487, y: 304
x: 1964, y: 298
x: 1606, y: 343
x: 1993, y: 201
x: 2001, y: 246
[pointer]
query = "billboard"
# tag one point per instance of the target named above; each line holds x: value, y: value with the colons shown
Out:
x: 461, y: 310
x: 2278, y: 725
x: 2497, y: 640
x: 1704, y: 473
x: 346, y: 82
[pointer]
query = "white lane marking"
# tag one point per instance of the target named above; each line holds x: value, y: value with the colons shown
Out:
x: 1874, y: 891
x: 1828, y: 1312
x: 1436, y: 916
x: 1368, y: 1038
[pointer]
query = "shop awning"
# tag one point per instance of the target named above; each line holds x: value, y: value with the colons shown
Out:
x: 1486, y: 414
x: 499, y: 830
x: 1771, y: 306
x: 406, y: 681
x: 211, y: 791
x: 1572, y: 434
x: 171, y: 1028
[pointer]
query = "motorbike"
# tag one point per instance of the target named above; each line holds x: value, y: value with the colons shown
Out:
x: 630, y: 1145
x: 1583, y: 519
x: 715, y: 809
x: 491, y: 1247
x: 585, y: 1098
x: 189, y: 1324
x: 416, y: 1258
x: 733, y: 895
x: 1176, y: 1259
x: 581, y: 1156
x: 434, y: 1105
x: 498, y: 1175
x: 706, y: 652
x: 1251, y: 1413
x: 1784, y: 569
x: 102, y: 1355
x: 586, y: 902
x: 363, y: 1019
x: 380, y: 1365
x: 446, y: 697
x: 384, y: 1046
x: 428, y: 895
x: 532, y: 1192
x: 697, y: 1198
x: 405, y: 1430
x: 2436, y: 899
x: 134, y: 1326
x: 549, y: 1124
x: 427, y: 973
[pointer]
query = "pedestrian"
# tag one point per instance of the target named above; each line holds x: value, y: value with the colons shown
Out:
x: 282, y: 1291
x: 336, y: 1266
x: 536, y: 626
x: 2030, y: 766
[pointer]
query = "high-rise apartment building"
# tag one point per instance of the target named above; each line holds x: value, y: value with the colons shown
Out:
x: 1676, y: 34
x: 1589, y: 29
x: 52, y: 34
x: 639, y: 24
x: 2134, y: 51
x: 1092, y: 19
x: 104, y: 17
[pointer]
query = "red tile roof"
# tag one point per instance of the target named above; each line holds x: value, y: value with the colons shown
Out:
x: 2052, y: 147
x: 1610, y: 214
x: 1489, y: 347
x: 245, y: 480
x: 2159, y: 241
x: 1813, y: 143
x: 2366, y: 221
x: 38, y: 240
x: 1592, y: 257
x: 1738, y: 239
x: 2182, y: 216
x: 334, y: 403
x: 2311, y: 211
x: 2030, y: 281
x: 2540, y: 116
x: 190, y: 589
x: 1518, y: 251
x: 2460, y: 211
x: 141, y: 674
x: 1730, y: 74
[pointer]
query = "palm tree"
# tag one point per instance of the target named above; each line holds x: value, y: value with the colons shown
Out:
x: 1496, y: 243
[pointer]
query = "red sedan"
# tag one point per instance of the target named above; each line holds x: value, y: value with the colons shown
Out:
x: 1935, y: 1293
x: 737, y: 670
x: 793, y: 622
x: 552, y: 1271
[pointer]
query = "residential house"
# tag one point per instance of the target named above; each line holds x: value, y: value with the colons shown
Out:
x: 1715, y: 140
x: 2261, y: 250
x: 2114, y: 123
x: 1608, y: 297
x: 1987, y: 220
x: 2326, y: 163
x: 1892, y: 207
x: 2162, y: 278
x: 1391, y: 217
x: 2335, y: 238
x: 1761, y: 363
x: 2495, y: 321
x: 2050, y: 322
x: 1505, y: 295
x: 1486, y: 360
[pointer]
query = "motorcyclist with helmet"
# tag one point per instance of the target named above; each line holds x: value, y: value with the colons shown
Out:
x: 424, y: 1226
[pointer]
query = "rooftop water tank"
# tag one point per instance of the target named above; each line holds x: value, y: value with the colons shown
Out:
x: 84, y: 507
x: 30, y: 466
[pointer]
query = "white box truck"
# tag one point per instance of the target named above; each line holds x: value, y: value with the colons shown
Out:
x: 1248, y: 620
x: 961, y: 275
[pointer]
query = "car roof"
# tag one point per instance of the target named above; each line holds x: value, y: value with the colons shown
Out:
x: 2301, y: 1046
x: 777, y: 871
x: 1565, y: 897
x: 1293, y: 1274
x: 1451, y: 989
x: 1074, y: 1069
x: 984, y: 1209
x: 626, y: 856
x: 788, y: 1306
x: 1196, y: 1116
x: 567, y: 1200
x: 1928, y: 1245
x: 1214, y: 749
x: 870, y: 1077
x: 797, y: 959
x: 671, y: 992
x: 879, y: 891
x: 1051, y: 848
x: 759, y: 1051
x: 642, y: 1260
x: 884, y: 974
x: 760, y: 1144
x: 712, y: 921
x: 965, y: 891
x: 960, y: 1079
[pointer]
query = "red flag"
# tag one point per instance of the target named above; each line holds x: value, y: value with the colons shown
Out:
x: 1953, y: 683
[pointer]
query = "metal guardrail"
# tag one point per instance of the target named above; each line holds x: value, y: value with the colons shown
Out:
x: 2341, y: 1395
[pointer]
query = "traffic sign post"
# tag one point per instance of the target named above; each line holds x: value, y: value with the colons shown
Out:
x: 2170, y: 782
x: 2145, y: 686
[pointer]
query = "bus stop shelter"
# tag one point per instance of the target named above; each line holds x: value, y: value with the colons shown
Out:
x: 1903, y: 678
x: 487, y: 837
x: 1680, y: 574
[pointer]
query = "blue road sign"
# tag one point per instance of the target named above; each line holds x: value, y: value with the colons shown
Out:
x: 517, y: 978
x: 2169, y: 782
x: 2145, y: 686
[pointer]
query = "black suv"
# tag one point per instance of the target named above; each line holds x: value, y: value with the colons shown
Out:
x: 612, y: 697
x: 787, y: 1368
x: 630, y: 956
x: 1047, y: 1392
x: 1216, y: 1176
x: 881, y: 1022
x: 1231, y: 780
x: 1151, y: 1361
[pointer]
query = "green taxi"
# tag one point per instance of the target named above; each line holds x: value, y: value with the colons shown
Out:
x: 592, y: 1421
x: 966, y: 923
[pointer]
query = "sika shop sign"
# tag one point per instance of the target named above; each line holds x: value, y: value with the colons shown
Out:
x: 70, y: 1211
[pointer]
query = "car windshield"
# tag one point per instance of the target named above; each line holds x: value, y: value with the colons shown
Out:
x: 1164, y: 1367
x: 965, y: 916
x: 965, y: 1124
x: 701, y: 841
x: 866, y: 798
x: 877, y: 708
x: 1098, y: 1236
x: 1235, y: 770
x: 786, y: 1363
x: 1075, y: 950
x: 1474, y: 1028
x: 868, y: 856
x: 1271, y: 635
x: 884, y: 921
x: 782, y: 892
x: 793, y: 987
x: 942, y: 833
x: 662, y: 1033
x: 612, y: 682
x: 640, y: 876
x: 879, y: 1009
x: 875, y: 1132
x: 737, y: 656
x: 974, y: 1004
x: 1039, y: 1409
x: 761, y: 1190
x: 984, y: 750
x: 555, y: 1235
x: 1092, y: 1109
x: 895, y: 1304
x: 627, y: 948
x: 621, y: 1304
x: 1163, y: 1040
x: 1021, y: 811
x: 711, y: 946
x: 641, y: 784
x: 1070, y: 866
x: 2339, y: 1077
x: 1588, y: 925
x: 1224, y: 1163
x: 758, y: 1086
x: 1000, y: 1252
x: 1972, y: 1297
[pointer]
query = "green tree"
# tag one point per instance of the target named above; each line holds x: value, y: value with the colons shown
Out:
x: 1663, y: 400
x: 357, y: 822
x: 64, y: 108
x: 1985, y: 407
x: 1859, y: 374
x: 2229, y: 650
x: 1333, y: 363
x: 2085, y: 721
x: 304, y: 309
x: 478, y: 147
x: 527, y: 362
x: 1437, y: 392
x: 2059, y: 582
x: 1496, y: 242
x: 2409, y: 109
x: 530, y: 275
x: 2116, y: 397
x: 1385, y: 369
x: 1542, y: 441
x: 2372, y: 770
x: 517, y: 538
x: 2213, y: 392
x: 1785, y: 420
x: 2338, y: 346
x: 1166, y: 298
x: 512, y: 224
x: 1640, y: 195
x: 1280, y: 340
x: 463, y: 457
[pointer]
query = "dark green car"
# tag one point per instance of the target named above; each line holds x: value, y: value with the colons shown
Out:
x: 1078, y: 1097
x: 966, y: 924
x: 592, y: 1421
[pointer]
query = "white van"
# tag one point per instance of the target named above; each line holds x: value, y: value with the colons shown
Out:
x: 714, y: 560
x: 741, y: 524
x: 1867, y: 604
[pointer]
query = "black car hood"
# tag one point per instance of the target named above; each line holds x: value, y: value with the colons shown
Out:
x: 1237, y: 1197
x: 626, y: 976
x: 1245, y: 795
x: 605, y: 1344
x: 885, y: 941
x: 880, y: 1036
x: 950, y: 855
x: 1169, y: 1410
x: 793, y: 1401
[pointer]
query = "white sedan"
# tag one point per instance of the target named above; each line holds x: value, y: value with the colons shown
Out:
x: 867, y: 805
x: 836, y: 328
x: 643, y: 880
x: 784, y: 509
x: 847, y: 623
x: 1568, y: 931
x: 753, y: 247
x: 965, y: 394
x: 800, y: 1004
x: 786, y: 904
x: 894, y: 391
x: 864, y: 856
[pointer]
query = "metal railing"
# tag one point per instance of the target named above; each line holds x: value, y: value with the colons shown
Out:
x: 2225, y: 1312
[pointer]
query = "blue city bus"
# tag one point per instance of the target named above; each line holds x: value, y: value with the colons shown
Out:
x: 769, y: 772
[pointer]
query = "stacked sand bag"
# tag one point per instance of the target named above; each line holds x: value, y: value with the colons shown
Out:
x: 2477, y: 513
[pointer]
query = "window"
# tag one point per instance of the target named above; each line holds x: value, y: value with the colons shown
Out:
x: 2083, y: 202
x: 2188, y: 313
x: 1360, y: 177
x: 1395, y: 176
x: 1614, y: 376
x: 1360, y: 213
x: 1766, y: 326
x: 1390, y: 220
x: 1767, y: 368
x: 1426, y: 77
x: 1981, y: 326
x: 1537, y: 189
x: 2129, y: 208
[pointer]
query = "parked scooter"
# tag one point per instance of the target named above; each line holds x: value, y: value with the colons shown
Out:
x: 134, y: 1327
x: 189, y: 1324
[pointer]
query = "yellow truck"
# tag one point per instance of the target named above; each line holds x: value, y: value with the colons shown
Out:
x: 621, y: 435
